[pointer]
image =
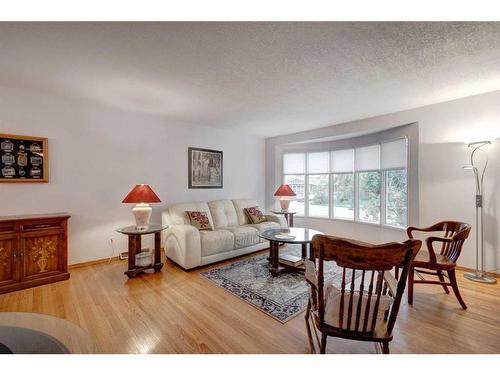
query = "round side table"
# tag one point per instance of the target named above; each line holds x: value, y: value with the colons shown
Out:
x: 288, y: 216
x: 134, y: 247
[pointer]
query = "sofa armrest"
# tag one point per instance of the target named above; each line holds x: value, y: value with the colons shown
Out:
x: 277, y: 219
x: 182, y: 244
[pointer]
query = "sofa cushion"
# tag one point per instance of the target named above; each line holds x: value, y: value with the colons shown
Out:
x: 333, y: 298
x: 255, y: 215
x: 199, y: 220
x: 223, y: 213
x: 244, y: 236
x: 239, y: 205
x: 261, y: 227
x: 216, y: 241
x: 177, y: 212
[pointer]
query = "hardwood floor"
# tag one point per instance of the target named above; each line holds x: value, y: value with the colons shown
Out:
x: 174, y: 311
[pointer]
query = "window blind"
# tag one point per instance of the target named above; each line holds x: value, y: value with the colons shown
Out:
x: 368, y: 158
x: 318, y: 162
x: 394, y: 154
x: 294, y: 163
x: 342, y: 161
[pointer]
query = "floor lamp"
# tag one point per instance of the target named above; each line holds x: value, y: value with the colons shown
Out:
x: 479, y: 275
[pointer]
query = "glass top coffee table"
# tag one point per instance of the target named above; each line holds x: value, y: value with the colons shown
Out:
x: 294, y: 235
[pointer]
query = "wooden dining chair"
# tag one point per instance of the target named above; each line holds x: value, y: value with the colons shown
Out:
x: 359, y: 308
x: 435, y: 263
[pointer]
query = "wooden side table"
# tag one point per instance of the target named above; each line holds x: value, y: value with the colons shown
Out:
x: 288, y: 216
x: 134, y: 247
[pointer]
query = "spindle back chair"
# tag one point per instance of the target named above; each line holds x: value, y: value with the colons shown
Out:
x: 435, y: 263
x: 360, y: 309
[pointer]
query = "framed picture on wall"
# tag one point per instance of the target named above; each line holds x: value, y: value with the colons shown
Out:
x: 205, y: 168
x: 23, y: 158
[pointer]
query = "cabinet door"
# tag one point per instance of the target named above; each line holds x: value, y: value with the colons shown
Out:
x: 42, y: 253
x: 9, y: 270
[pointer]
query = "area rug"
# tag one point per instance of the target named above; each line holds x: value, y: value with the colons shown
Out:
x: 282, y: 297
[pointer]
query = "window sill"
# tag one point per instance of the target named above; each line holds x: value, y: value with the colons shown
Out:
x: 381, y: 226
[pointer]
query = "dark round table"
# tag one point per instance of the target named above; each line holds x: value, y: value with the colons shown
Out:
x: 288, y: 216
x: 134, y: 247
x: 293, y: 235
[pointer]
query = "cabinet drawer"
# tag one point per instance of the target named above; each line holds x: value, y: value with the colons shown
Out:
x: 45, y: 225
x: 7, y: 228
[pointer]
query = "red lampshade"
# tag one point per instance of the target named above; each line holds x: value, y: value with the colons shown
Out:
x: 284, y: 191
x: 141, y: 194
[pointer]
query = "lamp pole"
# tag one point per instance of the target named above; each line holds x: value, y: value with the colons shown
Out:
x: 479, y: 275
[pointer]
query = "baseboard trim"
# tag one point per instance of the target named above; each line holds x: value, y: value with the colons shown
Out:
x: 98, y: 261
x: 465, y: 269
x: 92, y: 262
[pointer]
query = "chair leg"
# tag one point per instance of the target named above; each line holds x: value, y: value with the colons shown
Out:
x: 385, y: 348
x: 441, y: 278
x: 322, y: 349
x: 308, y: 328
x: 454, y: 285
x: 411, y: 274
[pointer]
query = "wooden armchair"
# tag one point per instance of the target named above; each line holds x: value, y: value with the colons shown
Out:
x: 433, y: 263
x: 360, y: 309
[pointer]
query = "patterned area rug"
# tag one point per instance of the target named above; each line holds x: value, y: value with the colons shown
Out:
x: 281, y: 297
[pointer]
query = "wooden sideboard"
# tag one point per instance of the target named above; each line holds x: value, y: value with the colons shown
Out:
x: 33, y: 250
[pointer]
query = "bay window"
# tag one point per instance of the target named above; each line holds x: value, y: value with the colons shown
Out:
x: 362, y: 184
x: 318, y: 184
x: 394, y: 161
x: 367, y: 166
x: 294, y: 169
x: 342, y: 168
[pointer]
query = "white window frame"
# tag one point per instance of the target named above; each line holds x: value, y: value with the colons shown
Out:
x: 332, y: 191
x: 383, y: 184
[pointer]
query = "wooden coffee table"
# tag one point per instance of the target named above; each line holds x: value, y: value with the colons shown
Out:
x: 296, y: 235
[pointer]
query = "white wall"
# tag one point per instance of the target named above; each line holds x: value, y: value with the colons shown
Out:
x: 445, y: 190
x: 97, y: 154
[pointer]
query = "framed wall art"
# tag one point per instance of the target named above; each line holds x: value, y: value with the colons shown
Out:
x: 205, y: 168
x: 23, y: 159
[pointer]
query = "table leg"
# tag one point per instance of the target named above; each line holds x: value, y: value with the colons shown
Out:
x: 157, y: 263
x: 304, y: 250
x: 134, y: 247
x: 290, y: 220
x: 131, y: 252
x: 274, y: 257
x: 138, y: 244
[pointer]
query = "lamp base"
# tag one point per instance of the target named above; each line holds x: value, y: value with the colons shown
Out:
x: 142, y: 213
x: 284, y: 203
x: 480, y: 277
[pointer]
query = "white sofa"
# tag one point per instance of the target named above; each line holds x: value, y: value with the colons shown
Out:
x: 233, y: 234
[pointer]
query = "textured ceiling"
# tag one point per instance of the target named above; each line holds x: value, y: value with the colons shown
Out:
x: 262, y: 78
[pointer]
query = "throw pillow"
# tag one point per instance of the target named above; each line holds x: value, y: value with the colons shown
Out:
x: 255, y: 215
x: 199, y: 220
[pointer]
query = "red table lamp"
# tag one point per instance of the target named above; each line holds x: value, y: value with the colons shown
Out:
x: 142, y: 195
x: 284, y: 195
